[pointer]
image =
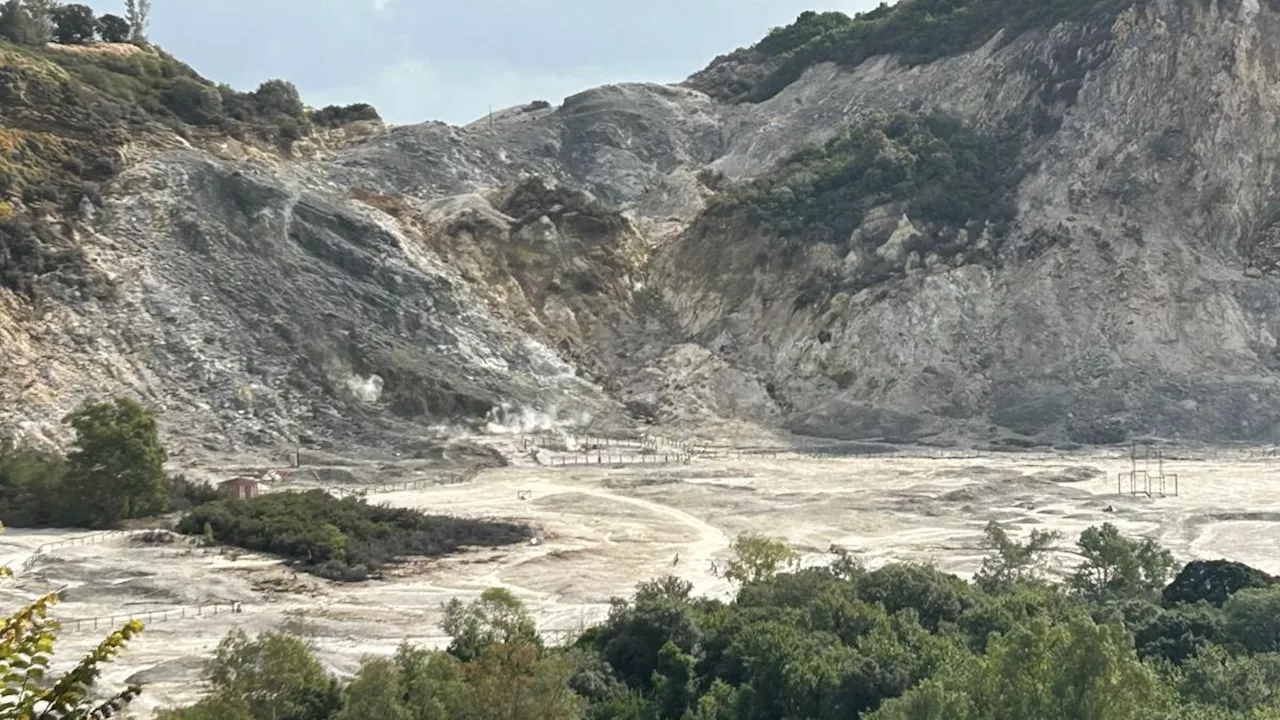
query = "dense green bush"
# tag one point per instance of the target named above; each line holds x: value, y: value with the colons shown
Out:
x: 917, y: 31
x: 337, y: 115
x: 943, y: 172
x: 32, y: 493
x: 277, y: 97
x: 1213, y: 582
x: 193, y: 101
x: 344, y: 539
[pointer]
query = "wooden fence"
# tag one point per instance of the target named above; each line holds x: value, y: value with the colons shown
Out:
x: 611, y: 459
x: 112, y: 622
x: 90, y: 539
x: 362, y: 490
x: 100, y: 537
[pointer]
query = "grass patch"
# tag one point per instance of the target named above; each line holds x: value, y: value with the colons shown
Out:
x: 344, y: 539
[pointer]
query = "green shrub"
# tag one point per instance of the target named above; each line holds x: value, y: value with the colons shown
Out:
x: 277, y: 97
x: 944, y: 171
x: 185, y: 495
x: 341, y: 539
x: 193, y: 101
x: 31, y: 486
x: 337, y: 116
x: 917, y: 31
x: 289, y: 128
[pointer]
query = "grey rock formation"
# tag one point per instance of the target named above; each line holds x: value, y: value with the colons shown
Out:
x: 555, y: 264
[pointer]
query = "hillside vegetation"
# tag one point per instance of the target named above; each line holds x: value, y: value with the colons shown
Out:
x: 915, y: 31
x: 943, y: 171
x: 70, y: 113
x: 955, y: 185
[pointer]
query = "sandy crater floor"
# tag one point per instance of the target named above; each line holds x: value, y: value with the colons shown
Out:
x: 606, y: 529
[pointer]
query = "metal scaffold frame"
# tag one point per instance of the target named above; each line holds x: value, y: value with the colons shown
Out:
x: 1142, y: 481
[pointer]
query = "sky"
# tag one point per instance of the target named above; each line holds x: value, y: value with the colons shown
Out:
x: 451, y: 60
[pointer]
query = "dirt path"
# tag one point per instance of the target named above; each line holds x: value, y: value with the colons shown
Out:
x: 695, y: 561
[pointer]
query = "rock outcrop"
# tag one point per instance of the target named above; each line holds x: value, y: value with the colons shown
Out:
x: 628, y: 257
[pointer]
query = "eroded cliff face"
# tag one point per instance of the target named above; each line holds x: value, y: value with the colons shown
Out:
x: 1130, y: 296
x: 578, y: 264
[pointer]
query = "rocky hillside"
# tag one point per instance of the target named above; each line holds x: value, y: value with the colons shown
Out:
x: 1022, y: 223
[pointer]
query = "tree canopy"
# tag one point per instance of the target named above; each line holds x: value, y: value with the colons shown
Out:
x: 823, y: 642
x: 113, y: 28
x: 115, y: 469
x: 74, y: 24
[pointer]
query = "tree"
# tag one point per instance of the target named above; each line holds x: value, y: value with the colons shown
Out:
x: 1213, y: 581
x: 116, y: 466
x: 1116, y: 567
x: 675, y: 684
x: 432, y: 683
x: 757, y: 558
x: 1239, y: 683
x: 512, y: 681
x: 1003, y: 612
x: 496, y: 617
x: 1010, y: 562
x: 138, y: 14
x: 31, y: 491
x: 636, y: 631
x: 721, y: 702
x: 937, y: 597
x: 1179, y: 633
x: 16, y: 23
x: 374, y: 693
x: 27, y: 640
x: 271, y: 676
x: 1075, y: 670
x: 74, y: 24
x: 113, y: 28
x: 41, y: 13
x: 1253, y: 618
